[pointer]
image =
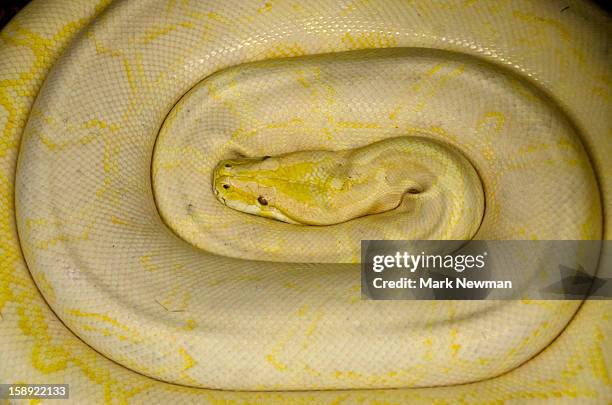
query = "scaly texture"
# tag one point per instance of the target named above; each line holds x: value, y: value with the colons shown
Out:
x: 143, y: 90
x: 330, y: 187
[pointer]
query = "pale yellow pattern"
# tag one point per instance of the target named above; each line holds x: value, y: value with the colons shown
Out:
x: 352, y: 193
x: 520, y: 88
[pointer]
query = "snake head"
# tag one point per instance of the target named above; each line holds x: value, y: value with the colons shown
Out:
x: 246, y: 185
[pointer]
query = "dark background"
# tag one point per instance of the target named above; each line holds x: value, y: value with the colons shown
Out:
x: 8, y: 8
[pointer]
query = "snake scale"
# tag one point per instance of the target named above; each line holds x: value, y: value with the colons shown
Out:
x: 129, y: 272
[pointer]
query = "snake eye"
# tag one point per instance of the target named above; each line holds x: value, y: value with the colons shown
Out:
x: 262, y: 200
x: 228, y: 165
x: 226, y: 186
x: 265, y: 157
x: 413, y: 191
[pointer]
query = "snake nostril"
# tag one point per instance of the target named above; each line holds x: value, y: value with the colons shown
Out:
x: 413, y: 191
x: 226, y: 186
x: 262, y: 200
x: 228, y: 165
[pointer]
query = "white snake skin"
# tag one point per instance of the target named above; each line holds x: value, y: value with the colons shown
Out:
x: 122, y: 275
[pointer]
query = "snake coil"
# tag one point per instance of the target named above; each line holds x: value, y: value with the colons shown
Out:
x: 124, y: 276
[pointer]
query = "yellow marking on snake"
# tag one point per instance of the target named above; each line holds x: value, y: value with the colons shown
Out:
x: 328, y: 187
x: 565, y: 57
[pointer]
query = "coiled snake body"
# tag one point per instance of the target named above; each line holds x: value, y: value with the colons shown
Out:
x: 114, y: 207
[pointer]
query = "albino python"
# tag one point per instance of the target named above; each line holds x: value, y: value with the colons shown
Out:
x: 326, y: 188
x: 131, y: 273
